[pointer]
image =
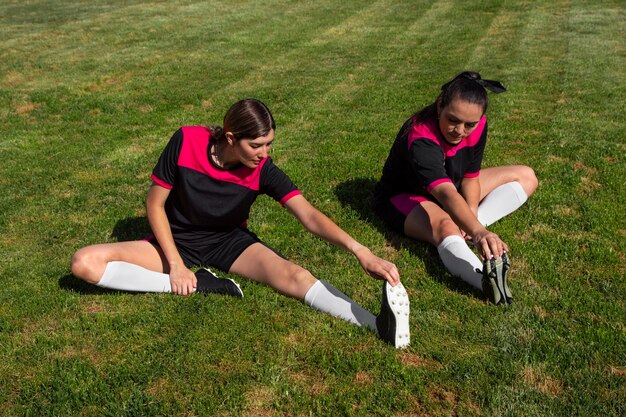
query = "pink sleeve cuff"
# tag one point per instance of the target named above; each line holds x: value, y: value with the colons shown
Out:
x: 290, y: 196
x: 161, y: 182
x: 436, y: 183
x: 471, y: 174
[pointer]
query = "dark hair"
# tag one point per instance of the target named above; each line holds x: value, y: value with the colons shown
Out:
x: 248, y: 118
x: 464, y: 86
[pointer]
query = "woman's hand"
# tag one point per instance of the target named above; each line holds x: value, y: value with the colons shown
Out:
x: 376, y: 267
x: 182, y: 280
x: 464, y: 215
x: 489, y: 244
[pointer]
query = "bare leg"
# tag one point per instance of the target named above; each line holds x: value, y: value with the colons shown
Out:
x: 90, y: 262
x: 261, y: 264
x: 490, y: 178
x: 431, y: 223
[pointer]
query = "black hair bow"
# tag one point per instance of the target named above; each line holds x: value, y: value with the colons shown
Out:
x: 492, y: 85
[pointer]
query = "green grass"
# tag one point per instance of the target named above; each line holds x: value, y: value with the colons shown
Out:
x: 90, y: 92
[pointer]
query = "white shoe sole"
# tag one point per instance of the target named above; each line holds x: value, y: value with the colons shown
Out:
x: 398, y: 300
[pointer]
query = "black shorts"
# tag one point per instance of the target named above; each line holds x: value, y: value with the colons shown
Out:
x: 393, y: 218
x: 395, y: 210
x: 216, y: 249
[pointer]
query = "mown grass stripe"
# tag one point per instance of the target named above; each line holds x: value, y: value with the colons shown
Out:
x: 80, y: 134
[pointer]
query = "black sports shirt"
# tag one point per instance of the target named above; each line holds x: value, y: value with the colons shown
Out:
x: 206, y: 197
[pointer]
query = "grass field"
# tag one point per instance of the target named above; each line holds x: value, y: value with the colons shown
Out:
x: 90, y: 92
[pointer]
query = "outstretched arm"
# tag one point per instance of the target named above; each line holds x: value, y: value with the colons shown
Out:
x: 320, y: 225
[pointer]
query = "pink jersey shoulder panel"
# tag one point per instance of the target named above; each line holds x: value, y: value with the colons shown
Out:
x: 427, y: 130
x: 194, y: 155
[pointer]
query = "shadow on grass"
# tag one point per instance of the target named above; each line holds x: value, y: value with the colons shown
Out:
x: 70, y: 283
x: 132, y: 228
x: 357, y: 194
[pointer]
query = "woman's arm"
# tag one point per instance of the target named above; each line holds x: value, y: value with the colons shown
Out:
x: 470, y: 190
x: 320, y: 225
x: 183, y: 281
x: 488, y: 243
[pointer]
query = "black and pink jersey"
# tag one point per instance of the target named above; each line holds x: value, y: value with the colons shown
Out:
x: 206, y: 197
x: 420, y: 159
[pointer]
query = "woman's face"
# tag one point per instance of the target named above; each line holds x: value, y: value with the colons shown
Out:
x: 251, y: 152
x: 458, y: 119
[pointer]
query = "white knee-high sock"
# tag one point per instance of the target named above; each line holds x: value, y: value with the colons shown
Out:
x: 460, y: 260
x: 324, y: 297
x: 502, y: 201
x: 130, y: 277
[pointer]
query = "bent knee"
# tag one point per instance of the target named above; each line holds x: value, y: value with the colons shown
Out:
x: 84, y: 265
x: 446, y: 227
x: 528, y: 179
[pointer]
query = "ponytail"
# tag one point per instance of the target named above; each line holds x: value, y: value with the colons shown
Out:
x: 217, y: 132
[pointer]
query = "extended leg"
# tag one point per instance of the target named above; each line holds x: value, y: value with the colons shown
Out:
x: 261, y: 264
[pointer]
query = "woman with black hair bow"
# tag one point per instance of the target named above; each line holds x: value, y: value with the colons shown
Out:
x: 433, y: 189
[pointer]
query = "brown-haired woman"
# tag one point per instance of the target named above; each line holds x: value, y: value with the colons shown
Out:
x: 433, y: 189
x: 203, y: 187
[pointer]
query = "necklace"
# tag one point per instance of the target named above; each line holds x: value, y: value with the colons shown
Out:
x: 217, y: 155
x: 215, y: 152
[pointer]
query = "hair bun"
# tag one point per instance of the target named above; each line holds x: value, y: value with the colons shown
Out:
x: 470, y: 75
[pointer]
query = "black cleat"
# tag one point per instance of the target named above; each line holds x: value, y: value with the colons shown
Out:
x: 393, y: 321
x: 495, y: 280
x: 209, y: 283
x: 506, y: 265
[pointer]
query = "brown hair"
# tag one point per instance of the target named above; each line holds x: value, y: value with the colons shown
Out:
x: 248, y: 118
